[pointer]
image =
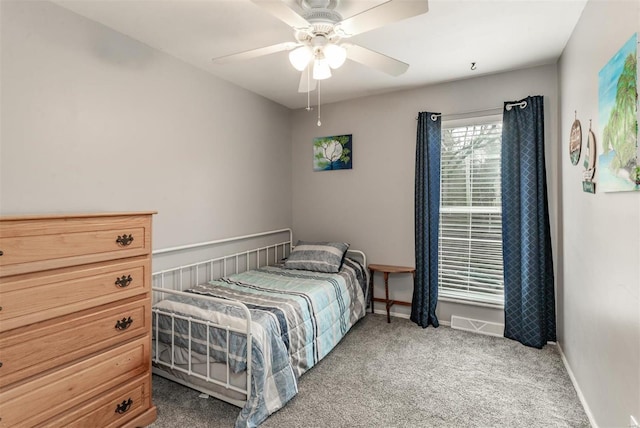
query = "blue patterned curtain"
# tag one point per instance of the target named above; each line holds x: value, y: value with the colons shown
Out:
x: 427, y: 215
x: 529, y: 302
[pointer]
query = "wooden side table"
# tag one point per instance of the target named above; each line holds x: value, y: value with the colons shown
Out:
x: 386, y: 270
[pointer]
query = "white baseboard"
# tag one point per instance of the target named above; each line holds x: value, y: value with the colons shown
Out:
x: 393, y: 314
x: 587, y: 410
x: 405, y: 316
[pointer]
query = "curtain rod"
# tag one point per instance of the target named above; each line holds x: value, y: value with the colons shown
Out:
x: 522, y: 104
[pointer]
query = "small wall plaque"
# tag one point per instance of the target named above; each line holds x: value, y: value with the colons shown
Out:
x: 590, y: 164
x: 575, y: 142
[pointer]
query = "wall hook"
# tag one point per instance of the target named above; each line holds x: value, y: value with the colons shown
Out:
x: 473, y: 65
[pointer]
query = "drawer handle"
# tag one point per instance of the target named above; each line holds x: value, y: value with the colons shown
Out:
x: 124, y: 323
x: 124, y: 406
x: 124, y: 240
x: 1, y: 253
x: 124, y: 281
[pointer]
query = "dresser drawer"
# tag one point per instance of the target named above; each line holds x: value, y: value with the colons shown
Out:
x: 110, y: 410
x: 30, y: 298
x: 28, y: 351
x: 31, y: 245
x: 41, y: 399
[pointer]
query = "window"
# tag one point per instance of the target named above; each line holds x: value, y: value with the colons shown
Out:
x: 470, y: 234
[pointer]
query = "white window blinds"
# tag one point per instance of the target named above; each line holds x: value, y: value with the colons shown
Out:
x: 470, y: 234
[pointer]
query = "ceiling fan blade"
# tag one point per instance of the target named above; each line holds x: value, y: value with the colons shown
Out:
x: 381, y: 15
x: 254, y: 53
x: 281, y: 11
x: 307, y: 83
x: 375, y: 60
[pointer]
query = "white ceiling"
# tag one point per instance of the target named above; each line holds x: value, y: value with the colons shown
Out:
x: 499, y: 35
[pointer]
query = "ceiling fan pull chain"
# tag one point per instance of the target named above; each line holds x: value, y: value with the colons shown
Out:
x: 319, y: 123
x: 308, y: 88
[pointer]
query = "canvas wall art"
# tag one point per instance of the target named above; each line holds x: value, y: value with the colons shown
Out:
x: 331, y: 153
x: 618, y: 119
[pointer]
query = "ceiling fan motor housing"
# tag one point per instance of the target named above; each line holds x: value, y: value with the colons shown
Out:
x: 322, y: 16
x: 318, y: 4
x: 319, y: 12
x: 323, y: 19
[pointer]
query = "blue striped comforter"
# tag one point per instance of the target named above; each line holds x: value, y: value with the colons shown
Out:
x: 297, y: 318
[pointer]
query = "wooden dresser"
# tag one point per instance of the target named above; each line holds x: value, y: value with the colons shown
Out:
x: 75, y: 320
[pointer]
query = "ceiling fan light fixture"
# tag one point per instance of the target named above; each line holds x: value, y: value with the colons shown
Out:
x: 300, y: 57
x: 321, y: 69
x: 335, y: 55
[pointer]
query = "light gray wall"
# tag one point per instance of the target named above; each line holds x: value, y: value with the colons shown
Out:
x: 599, y: 278
x: 95, y: 121
x: 371, y: 206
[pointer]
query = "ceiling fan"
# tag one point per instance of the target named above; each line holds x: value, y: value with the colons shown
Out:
x: 320, y: 37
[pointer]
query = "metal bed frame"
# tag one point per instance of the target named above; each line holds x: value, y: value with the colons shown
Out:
x: 175, y: 280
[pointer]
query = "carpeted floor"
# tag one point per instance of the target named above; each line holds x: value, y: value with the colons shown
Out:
x: 400, y: 375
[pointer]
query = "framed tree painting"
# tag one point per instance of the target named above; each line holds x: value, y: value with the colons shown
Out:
x: 618, y: 119
x: 331, y: 153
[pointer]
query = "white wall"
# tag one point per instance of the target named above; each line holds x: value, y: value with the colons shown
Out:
x: 371, y: 206
x: 599, y: 277
x: 95, y: 121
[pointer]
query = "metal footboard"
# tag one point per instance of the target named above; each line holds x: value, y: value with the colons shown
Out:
x: 175, y: 281
x: 246, y: 331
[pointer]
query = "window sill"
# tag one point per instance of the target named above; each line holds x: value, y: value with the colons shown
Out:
x: 450, y: 299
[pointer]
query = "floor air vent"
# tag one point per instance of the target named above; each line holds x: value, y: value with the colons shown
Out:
x: 477, y: 326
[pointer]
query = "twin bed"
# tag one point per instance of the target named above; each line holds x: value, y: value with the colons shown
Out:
x: 244, y: 327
